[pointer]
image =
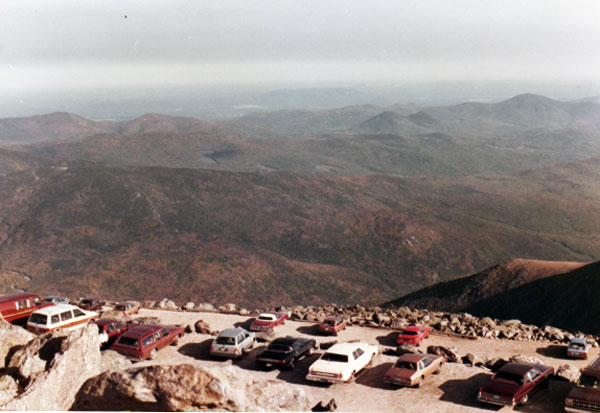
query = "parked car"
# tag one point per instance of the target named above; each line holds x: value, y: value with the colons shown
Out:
x: 585, y: 396
x: 91, y: 304
x: 59, y: 317
x: 109, y: 329
x: 127, y: 307
x: 143, y: 341
x: 341, y: 362
x: 232, y: 342
x: 266, y: 321
x: 413, y: 335
x: 411, y: 369
x: 332, y: 325
x: 513, y: 383
x: 56, y: 299
x: 17, y: 307
x: 578, y: 348
x: 285, y: 352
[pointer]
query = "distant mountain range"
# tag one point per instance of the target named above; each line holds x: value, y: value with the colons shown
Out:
x: 357, y: 204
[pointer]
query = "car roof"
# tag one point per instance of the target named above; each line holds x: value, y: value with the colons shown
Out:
x: 284, y: 341
x: 57, y: 308
x: 578, y: 340
x: 105, y: 321
x: 142, y: 330
x: 413, y: 328
x: 15, y: 296
x: 411, y: 357
x: 593, y: 369
x: 517, y: 368
x: 231, y: 332
x: 345, y: 348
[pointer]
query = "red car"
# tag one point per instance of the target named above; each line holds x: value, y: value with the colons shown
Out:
x: 109, y: 329
x: 143, y: 342
x: 17, y: 307
x: 266, y: 321
x: 332, y: 325
x: 413, y: 335
x: 513, y: 383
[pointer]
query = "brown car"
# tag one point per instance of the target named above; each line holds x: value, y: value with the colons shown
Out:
x: 585, y: 396
x: 411, y: 369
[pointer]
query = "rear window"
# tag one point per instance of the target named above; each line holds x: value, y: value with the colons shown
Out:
x: 265, y: 318
x: 227, y: 341
x: 340, y: 358
x: 36, y: 318
x: 409, y: 333
x: 128, y: 341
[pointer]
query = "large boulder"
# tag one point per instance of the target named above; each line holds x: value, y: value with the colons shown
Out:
x: 186, y: 387
x: 521, y: 358
x: 11, y: 338
x: 111, y: 360
x: 450, y: 353
x: 568, y: 373
x: 69, y: 358
x: 202, y: 327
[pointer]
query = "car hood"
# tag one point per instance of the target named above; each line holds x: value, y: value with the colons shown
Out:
x: 581, y: 393
x: 501, y: 388
x: 328, y: 366
x: 402, y: 373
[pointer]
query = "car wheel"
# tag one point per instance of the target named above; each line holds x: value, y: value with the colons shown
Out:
x: 524, y: 399
x: 175, y: 342
x: 419, y: 382
x: 153, y: 354
x: 437, y: 371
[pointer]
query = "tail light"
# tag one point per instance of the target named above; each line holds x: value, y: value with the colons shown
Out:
x: 212, y: 348
x: 339, y: 375
x: 235, y: 350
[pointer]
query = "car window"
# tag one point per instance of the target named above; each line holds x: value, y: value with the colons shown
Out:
x: 164, y: 332
x: 119, y: 325
x: 67, y: 315
x: 226, y: 340
x: 110, y: 328
x: 54, y: 319
x: 78, y: 313
x: 420, y: 365
x: 37, y: 301
x: 359, y: 352
x: 127, y: 341
x: 426, y: 362
x: 28, y: 303
x: 340, y: 358
x: 534, y: 374
x: 148, y: 340
x: 36, y: 318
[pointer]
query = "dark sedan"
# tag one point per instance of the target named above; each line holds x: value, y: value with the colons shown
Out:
x: 513, y: 383
x: 285, y: 352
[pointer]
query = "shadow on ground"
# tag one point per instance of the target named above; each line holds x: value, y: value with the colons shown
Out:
x: 554, y: 351
x: 464, y: 391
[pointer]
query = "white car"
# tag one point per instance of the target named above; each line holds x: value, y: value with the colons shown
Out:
x: 578, y: 348
x: 232, y: 342
x: 59, y: 317
x: 341, y: 362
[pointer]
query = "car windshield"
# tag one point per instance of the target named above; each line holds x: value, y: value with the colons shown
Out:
x: 340, y: 358
x: 120, y: 307
x: 515, y: 378
x: 50, y: 299
x: 128, y: 341
x: 401, y: 364
x: 329, y: 322
x: 409, y: 333
x: 38, y: 318
x: 229, y: 341
x: 586, y: 381
x: 280, y: 348
x: 577, y: 346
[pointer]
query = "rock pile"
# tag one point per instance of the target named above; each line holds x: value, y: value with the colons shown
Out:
x: 188, y: 388
x: 449, y: 323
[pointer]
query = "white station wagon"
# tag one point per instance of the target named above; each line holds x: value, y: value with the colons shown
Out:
x: 341, y: 362
x: 59, y: 317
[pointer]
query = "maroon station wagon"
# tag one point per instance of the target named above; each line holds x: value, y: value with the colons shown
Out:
x: 143, y: 342
x: 109, y: 329
x: 17, y: 307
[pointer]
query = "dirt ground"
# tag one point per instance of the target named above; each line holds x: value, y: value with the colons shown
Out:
x: 454, y: 390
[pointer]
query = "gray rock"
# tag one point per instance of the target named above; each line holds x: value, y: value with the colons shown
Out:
x: 568, y: 373
x: 111, y: 360
x: 205, y: 307
x: 8, y: 388
x: 202, y: 327
x: 407, y: 348
x: 450, y: 353
x: 188, y: 388
x: 473, y: 360
x: 521, y: 358
x: 189, y: 306
x: 266, y: 335
x: 331, y: 406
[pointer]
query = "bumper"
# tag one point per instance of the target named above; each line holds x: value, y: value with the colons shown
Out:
x: 577, y: 354
x: 576, y: 410
x: 323, y: 379
x: 218, y: 353
x: 497, y: 401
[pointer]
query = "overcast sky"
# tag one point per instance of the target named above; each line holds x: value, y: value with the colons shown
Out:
x: 80, y: 43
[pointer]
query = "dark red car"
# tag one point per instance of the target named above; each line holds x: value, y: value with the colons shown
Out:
x: 513, y: 383
x: 266, y: 321
x: 110, y: 329
x: 17, y: 307
x: 413, y: 335
x: 332, y: 325
x: 143, y: 342
x: 91, y: 304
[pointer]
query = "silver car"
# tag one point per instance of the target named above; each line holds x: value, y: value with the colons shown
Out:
x: 232, y: 342
x: 578, y: 348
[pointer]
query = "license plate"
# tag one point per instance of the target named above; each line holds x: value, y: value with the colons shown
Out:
x: 269, y: 364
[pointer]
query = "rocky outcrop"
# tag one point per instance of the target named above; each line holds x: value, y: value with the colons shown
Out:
x: 11, y: 338
x: 450, y: 353
x: 60, y: 363
x: 568, y: 373
x: 111, y: 360
x: 187, y: 388
x: 202, y: 327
